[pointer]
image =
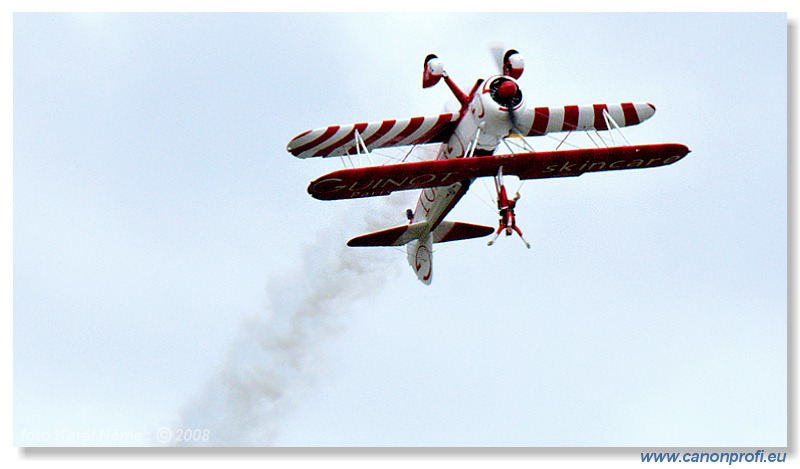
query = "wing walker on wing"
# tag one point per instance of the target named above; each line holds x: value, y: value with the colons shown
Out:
x: 468, y: 141
x: 506, y: 206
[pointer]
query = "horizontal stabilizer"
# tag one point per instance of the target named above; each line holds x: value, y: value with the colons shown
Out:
x: 400, y: 235
x: 397, y: 236
x: 455, y: 231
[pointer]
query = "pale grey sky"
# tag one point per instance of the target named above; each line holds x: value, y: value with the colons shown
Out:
x: 165, y: 248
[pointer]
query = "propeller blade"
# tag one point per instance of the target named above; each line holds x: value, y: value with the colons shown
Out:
x: 497, y: 50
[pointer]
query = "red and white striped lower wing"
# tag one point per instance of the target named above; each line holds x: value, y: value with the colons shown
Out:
x: 542, y: 120
x: 339, y: 140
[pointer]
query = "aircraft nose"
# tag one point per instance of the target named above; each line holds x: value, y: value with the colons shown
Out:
x: 507, y: 90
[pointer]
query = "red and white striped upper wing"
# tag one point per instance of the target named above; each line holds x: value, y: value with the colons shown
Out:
x: 543, y: 120
x: 339, y: 140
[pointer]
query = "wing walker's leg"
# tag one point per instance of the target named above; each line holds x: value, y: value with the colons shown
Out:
x: 496, y: 234
x: 519, y: 232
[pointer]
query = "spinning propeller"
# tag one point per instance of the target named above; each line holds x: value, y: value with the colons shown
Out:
x: 506, y: 92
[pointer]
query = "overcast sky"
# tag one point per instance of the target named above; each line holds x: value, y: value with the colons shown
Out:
x: 170, y: 270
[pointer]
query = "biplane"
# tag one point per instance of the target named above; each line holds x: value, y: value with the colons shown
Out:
x: 468, y: 141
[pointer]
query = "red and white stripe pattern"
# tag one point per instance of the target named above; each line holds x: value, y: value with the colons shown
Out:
x: 339, y: 140
x: 543, y: 120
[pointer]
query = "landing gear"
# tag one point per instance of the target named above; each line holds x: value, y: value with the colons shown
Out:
x: 506, y: 208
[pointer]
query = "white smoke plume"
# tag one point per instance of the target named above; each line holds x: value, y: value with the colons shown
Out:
x: 275, y: 359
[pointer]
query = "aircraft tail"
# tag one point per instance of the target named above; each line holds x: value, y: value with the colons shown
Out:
x: 404, y: 234
x: 420, y: 241
x: 397, y: 236
x: 456, y: 231
x: 420, y: 257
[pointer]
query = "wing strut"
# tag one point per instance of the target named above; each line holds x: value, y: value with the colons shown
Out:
x: 474, y: 142
x: 609, y: 122
x: 361, y: 145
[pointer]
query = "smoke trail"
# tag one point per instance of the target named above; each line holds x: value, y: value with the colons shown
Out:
x: 272, y: 362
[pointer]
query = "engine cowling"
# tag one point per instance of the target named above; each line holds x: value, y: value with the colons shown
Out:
x: 501, y: 102
x: 505, y: 92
